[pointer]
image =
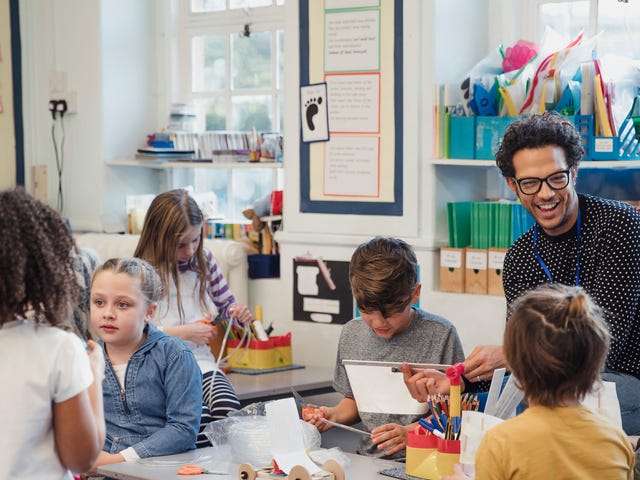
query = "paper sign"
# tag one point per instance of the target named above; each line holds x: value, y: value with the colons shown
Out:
x: 287, y: 443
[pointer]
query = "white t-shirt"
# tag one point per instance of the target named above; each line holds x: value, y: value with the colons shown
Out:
x: 167, y: 315
x: 40, y: 365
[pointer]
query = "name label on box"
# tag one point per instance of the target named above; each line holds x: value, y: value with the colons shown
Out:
x: 451, y: 258
x: 477, y: 260
x: 603, y: 144
x: 496, y: 259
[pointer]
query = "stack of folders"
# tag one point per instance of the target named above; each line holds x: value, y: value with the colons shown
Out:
x: 485, y: 225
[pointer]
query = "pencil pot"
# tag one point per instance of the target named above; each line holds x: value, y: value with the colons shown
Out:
x: 447, y: 455
x: 421, y: 454
x: 260, y: 354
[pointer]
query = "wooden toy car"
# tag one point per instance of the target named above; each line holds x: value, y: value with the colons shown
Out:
x: 331, y: 470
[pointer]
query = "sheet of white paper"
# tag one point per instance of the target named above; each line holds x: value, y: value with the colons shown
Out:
x: 474, y: 426
x: 380, y: 390
x: 605, y: 402
x: 287, y: 444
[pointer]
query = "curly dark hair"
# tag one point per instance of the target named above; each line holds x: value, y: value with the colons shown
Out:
x: 536, y: 131
x: 383, y: 274
x: 36, y: 264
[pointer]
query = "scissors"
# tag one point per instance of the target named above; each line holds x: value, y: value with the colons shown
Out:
x: 304, y: 408
x: 197, y: 470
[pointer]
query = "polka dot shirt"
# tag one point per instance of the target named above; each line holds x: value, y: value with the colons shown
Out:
x: 609, y: 270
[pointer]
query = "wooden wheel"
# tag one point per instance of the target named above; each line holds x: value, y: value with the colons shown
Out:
x: 298, y: 473
x: 246, y: 472
x: 334, y: 467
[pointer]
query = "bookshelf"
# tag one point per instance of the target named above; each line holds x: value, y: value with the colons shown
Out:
x: 167, y: 164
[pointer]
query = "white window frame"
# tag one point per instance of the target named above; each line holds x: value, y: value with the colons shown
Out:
x: 189, y: 25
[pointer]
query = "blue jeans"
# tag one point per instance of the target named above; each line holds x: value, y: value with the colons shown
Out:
x: 628, y: 389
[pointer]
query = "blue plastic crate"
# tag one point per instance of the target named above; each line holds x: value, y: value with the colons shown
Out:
x: 462, y: 137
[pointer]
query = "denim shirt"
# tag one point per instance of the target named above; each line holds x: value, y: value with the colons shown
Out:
x: 158, y: 411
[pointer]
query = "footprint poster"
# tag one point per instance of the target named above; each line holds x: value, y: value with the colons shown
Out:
x: 314, y: 113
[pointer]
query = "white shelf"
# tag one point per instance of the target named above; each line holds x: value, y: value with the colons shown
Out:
x: 591, y: 164
x: 167, y: 164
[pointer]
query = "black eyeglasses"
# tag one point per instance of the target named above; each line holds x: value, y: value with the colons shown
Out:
x: 532, y: 185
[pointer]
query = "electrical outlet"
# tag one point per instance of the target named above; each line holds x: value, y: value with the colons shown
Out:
x: 64, y: 103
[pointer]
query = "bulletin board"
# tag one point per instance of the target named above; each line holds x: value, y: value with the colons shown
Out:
x: 352, y: 49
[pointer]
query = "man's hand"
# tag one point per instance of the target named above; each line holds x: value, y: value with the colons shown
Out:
x: 422, y: 383
x: 483, y: 361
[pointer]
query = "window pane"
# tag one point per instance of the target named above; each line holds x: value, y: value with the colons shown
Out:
x: 281, y: 113
x: 566, y: 19
x: 249, y: 3
x: 211, y: 114
x: 620, y: 26
x: 208, y: 57
x: 248, y: 111
x: 280, y: 37
x: 207, y: 5
x: 251, y: 61
x: 249, y: 185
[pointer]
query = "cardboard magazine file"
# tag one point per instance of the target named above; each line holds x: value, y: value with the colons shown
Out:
x: 475, y: 277
x: 260, y: 354
x: 452, y: 270
x: 494, y: 271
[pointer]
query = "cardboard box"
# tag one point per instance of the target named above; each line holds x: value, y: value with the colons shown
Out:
x: 495, y: 265
x: 452, y: 270
x: 475, y: 277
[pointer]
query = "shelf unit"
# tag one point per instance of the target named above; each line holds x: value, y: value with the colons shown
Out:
x: 589, y: 164
x: 173, y: 173
x: 166, y: 164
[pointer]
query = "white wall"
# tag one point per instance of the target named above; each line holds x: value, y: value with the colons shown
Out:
x: 106, y: 52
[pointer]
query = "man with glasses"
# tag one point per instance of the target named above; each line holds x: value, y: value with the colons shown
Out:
x: 577, y: 239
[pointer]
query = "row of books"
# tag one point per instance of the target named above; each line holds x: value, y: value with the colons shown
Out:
x: 486, y: 224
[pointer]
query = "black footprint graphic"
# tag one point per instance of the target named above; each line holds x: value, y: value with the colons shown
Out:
x: 312, y: 110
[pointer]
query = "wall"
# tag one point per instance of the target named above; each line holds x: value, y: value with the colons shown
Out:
x: 7, y: 131
x: 111, y: 52
x: 105, y: 51
x: 427, y: 43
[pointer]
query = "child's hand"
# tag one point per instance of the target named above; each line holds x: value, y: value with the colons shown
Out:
x: 458, y: 474
x: 241, y: 313
x: 200, y: 333
x: 313, y: 416
x: 96, y: 360
x: 390, y: 437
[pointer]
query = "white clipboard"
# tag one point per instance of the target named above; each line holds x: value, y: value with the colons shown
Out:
x: 378, y: 387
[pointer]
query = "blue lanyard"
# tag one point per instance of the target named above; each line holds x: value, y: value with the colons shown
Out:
x: 544, y: 265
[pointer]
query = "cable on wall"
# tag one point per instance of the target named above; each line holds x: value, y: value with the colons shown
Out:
x: 58, y: 109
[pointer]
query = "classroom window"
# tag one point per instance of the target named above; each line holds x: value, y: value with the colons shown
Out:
x: 617, y: 22
x: 230, y: 63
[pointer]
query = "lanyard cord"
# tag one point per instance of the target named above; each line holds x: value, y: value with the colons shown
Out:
x: 544, y: 265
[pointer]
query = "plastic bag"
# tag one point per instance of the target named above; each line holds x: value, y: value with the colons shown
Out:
x: 247, y: 434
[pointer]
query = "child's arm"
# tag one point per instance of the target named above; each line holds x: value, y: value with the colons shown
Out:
x: 200, y: 333
x: 78, y: 422
x: 345, y: 412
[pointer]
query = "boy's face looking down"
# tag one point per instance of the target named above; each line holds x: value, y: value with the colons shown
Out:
x: 393, y: 324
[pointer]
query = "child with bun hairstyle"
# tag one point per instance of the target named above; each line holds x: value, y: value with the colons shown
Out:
x: 555, y: 343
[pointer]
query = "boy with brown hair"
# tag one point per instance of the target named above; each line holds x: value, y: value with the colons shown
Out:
x: 384, y: 280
